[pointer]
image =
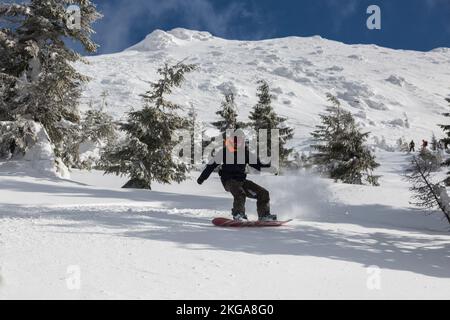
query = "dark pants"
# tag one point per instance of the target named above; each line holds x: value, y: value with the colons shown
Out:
x: 243, y: 189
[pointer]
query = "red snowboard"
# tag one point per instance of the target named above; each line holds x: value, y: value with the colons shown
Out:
x: 225, y: 222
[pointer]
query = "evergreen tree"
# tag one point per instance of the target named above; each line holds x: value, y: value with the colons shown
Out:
x: 96, y: 128
x: 15, y: 138
x: 446, y: 128
x: 147, y: 153
x: 402, y: 145
x: 37, y: 76
x: 434, y: 143
x: 301, y: 161
x: 263, y: 116
x: 339, y: 143
x: 433, y: 159
x: 196, y: 130
x: 446, y: 142
x: 426, y: 193
x: 228, y: 114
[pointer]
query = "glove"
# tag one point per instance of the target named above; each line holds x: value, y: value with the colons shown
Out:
x: 199, y: 181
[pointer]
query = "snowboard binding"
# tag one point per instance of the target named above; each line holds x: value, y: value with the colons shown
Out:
x: 268, y: 217
x: 240, y: 217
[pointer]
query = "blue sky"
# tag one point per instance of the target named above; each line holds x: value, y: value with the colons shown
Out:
x: 406, y: 24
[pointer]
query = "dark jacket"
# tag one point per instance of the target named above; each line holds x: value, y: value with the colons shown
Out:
x: 233, y: 170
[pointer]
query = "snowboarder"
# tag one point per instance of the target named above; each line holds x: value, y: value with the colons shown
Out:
x: 412, y: 146
x: 234, y: 178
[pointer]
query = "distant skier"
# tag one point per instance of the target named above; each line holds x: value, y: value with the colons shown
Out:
x: 424, y: 144
x: 234, y: 178
x: 412, y: 146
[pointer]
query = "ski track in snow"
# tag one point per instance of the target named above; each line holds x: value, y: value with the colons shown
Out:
x: 161, y: 243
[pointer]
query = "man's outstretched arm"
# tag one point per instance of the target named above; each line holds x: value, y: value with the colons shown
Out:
x: 207, y: 172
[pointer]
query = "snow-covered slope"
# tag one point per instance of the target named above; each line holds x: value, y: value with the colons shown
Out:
x: 86, y: 238
x: 387, y: 90
x: 345, y: 242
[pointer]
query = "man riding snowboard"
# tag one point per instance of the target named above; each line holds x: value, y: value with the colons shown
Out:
x: 233, y: 159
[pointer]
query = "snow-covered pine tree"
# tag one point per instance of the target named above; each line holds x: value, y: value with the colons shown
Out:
x: 340, y: 149
x: 426, y: 193
x: 446, y: 128
x: 37, y: 77
x: 402, y: 145
x: 195, y: 127
x: 95, y: 130
x: 434, y: 159
x: 97, y: 126
x: 227, y: 113
x: 15, y: 138
x: 382, y: 144
x: 446, y: 143
x: 434, y: 142
x: 147, y: 153
x: 300, y: 161
x: 263, y: 116
x: 98, y: 130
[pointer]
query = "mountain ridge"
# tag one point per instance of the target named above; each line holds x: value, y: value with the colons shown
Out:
x: 392, y: 93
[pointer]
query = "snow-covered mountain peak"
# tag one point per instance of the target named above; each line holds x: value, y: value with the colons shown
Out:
x: 190, y: 35
x: 392, y: 93
x: 160, y: 40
